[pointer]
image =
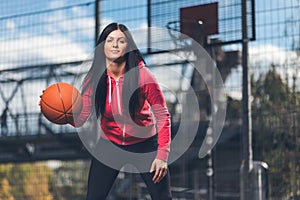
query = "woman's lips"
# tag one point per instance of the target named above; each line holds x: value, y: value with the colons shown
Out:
x: 115, y: 51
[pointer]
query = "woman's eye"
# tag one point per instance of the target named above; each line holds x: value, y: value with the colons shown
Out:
x: 122, y: 41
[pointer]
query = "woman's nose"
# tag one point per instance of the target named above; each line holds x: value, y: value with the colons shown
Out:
x: 115, y: 44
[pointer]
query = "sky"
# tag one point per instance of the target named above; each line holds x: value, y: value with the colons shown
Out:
x: 35, y: 36
x: 41, y: 42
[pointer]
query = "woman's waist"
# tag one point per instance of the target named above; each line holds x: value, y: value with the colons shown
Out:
x: 127, y: 135
x: 139, y: 120
x: 128, y: 128
x: 135, y: 146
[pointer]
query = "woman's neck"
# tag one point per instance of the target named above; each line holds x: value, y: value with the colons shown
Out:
x: 116, y: 69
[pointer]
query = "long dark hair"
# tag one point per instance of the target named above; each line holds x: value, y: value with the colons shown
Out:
x: 131, y: 80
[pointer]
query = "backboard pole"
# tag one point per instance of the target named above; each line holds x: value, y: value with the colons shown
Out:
x: 149, y: 24
x: 247, y: 155
x: 97, y: 21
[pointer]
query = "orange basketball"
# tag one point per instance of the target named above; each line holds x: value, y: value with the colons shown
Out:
x: 59, y: 102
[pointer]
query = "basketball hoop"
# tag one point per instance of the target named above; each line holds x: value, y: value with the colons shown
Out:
x: 195, y: 22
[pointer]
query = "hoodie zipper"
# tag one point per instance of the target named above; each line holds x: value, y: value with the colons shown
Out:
x: 118, y: 97
x: 120, y: 111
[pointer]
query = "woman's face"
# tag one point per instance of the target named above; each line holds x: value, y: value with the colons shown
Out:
x: 115, y: 45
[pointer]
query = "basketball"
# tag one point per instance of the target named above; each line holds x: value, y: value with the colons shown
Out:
x: 59, y: 102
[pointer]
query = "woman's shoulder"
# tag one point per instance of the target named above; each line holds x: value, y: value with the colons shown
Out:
x: 141, y: 64
x: 143, y: 69
x: 145, y: 74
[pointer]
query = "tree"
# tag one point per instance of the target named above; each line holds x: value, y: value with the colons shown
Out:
x: 70, y: 180
x: 37, y: 184
x: 274, y: 130
x: 31, y: 181
x: 37, y: 181
x: 5, y: 190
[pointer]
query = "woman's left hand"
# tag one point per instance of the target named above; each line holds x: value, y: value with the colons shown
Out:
x: 161, y: 169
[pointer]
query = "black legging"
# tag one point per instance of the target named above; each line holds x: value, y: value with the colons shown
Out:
x: 102, y: 177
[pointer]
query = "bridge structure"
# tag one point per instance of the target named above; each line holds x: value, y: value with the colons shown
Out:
x: 25, y: 134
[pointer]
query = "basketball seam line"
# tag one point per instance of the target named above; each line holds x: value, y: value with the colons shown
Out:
x: 53, y: 108
x: 66, y: 111
x: 62, y: 102
x: 73, y: 102
x: 59, y: 116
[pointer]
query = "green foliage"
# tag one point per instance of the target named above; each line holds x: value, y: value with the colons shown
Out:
x: 70, y: 181
x: 275, y: 125
x: 275, y: 113
x: 234, y: 110
x: 37, y: 181
x: 31, y: 181
x: 5, y: 190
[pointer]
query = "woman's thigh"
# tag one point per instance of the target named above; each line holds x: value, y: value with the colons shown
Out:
x: 100, y: 180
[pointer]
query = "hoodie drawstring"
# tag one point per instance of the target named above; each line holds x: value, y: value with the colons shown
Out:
x: 109, y: 97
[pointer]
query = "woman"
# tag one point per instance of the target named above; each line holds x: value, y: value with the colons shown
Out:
x: 132, y: 112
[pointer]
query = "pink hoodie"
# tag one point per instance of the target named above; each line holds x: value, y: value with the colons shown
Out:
x: 151, y: 119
